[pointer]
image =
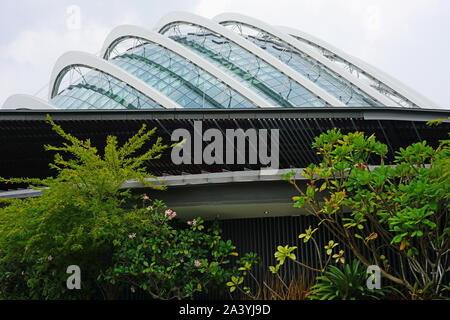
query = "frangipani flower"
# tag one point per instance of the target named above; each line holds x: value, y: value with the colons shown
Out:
x: 360, y: 165
x: 170, y: 213
x: 330, y: 246
x: 132, y: 235
x: 339, y: 257
x: 308, y: 234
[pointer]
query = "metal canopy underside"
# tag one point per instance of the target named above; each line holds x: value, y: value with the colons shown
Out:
x: 380, y: 113
x: 24, y: 132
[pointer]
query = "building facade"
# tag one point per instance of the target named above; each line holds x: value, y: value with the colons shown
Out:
x: 230, y: 72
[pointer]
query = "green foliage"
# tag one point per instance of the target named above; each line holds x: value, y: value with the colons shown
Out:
x: 236, y: 281
x: 284, y: 252
x: 401, y: 209
x: 345, y: 283
x: 330, y: 246
x: 86, y: 218
x: 170, y: 261
x: 436, y: 122
x: 81, y: 212
x: 308, y: 234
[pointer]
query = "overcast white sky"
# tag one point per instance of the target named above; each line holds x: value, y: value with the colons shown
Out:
x: 409, y: 39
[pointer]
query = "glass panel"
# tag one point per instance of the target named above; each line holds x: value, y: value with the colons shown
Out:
x: 318, y: 73
x: 97, y: 90
x: 152, y: 63
x: 243, y: 65
x: 361, y: 75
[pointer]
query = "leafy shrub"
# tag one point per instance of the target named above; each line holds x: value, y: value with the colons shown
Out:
x: 345, y: 283
x: 81, y: 212
x: 402, y: 210
x: 170, y: 261
x: 274, y: 287
x: 85, y: 218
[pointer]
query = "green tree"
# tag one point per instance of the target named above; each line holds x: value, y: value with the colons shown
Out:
x: 401, y: 209
x: 81, y: 212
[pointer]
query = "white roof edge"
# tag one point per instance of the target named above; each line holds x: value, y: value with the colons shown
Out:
x: 376, y: 73
x: 224, y: 177
x: 187, y: 17
x: 217, y: 177
x: 78, y: 58
x: 224, y: 17
x: 134, y: 31
x: 192, y: 179
x: 26, y: 101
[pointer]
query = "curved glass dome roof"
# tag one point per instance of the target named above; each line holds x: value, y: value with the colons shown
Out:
x: 231, y: 61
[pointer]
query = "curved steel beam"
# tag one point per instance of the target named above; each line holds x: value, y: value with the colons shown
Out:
x: 225, y: 18
x: 76, y: 58
x: 375, y: 73
x: 124, y: 32
x: 26, y: 101
x: 193, y: 19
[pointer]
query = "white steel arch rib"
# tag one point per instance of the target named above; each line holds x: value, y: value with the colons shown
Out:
x: 82, y: 59
x: 25, y: 101
x: 397, y: 86
x: 128, y: 31
x: 251, y: 22
x: 189, y: 18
